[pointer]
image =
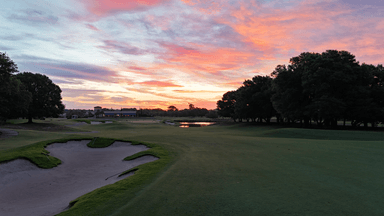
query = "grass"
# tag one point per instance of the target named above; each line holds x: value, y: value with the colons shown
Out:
x: 48, y: 125
x: 100, y: 142
x: 238, y: 169
x: 88, y: 121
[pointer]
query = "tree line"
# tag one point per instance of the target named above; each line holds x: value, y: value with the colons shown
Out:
x: 26, y: 94
x: 314, y: 88
x: 173, y: 111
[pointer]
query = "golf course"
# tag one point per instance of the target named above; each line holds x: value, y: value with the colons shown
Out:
x: 221, y: 169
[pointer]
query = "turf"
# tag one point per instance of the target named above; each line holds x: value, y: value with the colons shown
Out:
x: 241, y: 169
x: 88, y: 121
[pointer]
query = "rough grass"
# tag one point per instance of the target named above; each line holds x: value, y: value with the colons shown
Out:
x: 242, y: 170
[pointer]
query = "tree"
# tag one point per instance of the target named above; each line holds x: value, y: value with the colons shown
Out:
x: 288, y: 98
x: 323, y: 87
x: 226, y: 106
x: 19, y: 98
x: 7, y: 67
x: 191, y: 106
x: 14, y: 99
x: 253, y: 100
x: 172, y: 108
x: 212, y: 114
x: 368, y: 106
x: 261, y: 103
x: 46, y: 96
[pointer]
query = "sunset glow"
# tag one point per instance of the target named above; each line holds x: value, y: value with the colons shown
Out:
x: 157, y: 53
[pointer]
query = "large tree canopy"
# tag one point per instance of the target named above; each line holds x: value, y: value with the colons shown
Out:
x: 14, y: 99
x: 7, y: 67
x: 46, y: 96
x: 314, y: 87
x: 253, y: 99
x: 226, y: 106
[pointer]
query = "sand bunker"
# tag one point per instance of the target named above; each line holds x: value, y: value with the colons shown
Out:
x: 26, y: 189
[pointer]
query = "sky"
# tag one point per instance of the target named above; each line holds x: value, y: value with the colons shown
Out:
x: 157, y: 53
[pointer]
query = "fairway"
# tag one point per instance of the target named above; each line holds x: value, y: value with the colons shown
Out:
x: 238, y: 169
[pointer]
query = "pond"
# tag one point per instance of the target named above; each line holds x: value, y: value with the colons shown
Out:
x: 195, y: 124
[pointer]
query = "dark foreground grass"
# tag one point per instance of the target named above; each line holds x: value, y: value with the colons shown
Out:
x: 244, y: 170
x: 88, y: 121
x: 325, y: 134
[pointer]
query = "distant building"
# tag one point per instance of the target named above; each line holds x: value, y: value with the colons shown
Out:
x: 97, y: 108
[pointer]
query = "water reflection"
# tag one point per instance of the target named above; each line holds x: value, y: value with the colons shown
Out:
x: 195, y: 124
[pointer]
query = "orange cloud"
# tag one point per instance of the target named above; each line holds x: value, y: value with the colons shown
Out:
x: 199, y: 91
x: 210, y: 59
x: 154, y: 83
x: 234, y: 85
x: 274, y: 30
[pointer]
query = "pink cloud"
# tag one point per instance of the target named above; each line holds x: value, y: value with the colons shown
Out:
x: 206, y: 59
x: 92, y: 27
x: 207, y: 7
x: 159, y: 84
x: 103, y: 7
x: 136, y: 68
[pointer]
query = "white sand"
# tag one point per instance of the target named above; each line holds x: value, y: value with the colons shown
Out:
x: 26, y: 189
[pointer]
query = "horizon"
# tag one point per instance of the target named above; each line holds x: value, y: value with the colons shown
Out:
x: 158, y: 53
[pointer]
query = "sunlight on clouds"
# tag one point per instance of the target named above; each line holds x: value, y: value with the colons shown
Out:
x: 157, y: 53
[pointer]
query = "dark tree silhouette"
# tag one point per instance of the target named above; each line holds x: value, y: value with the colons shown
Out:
x: 226, y: 106
x: 46, y: 96
x: 14, y: 99
x: 322, y: 87
x: 288, y: 99
x: 172, y: 108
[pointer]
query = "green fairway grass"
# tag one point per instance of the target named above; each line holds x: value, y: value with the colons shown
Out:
x: 240, y: 169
